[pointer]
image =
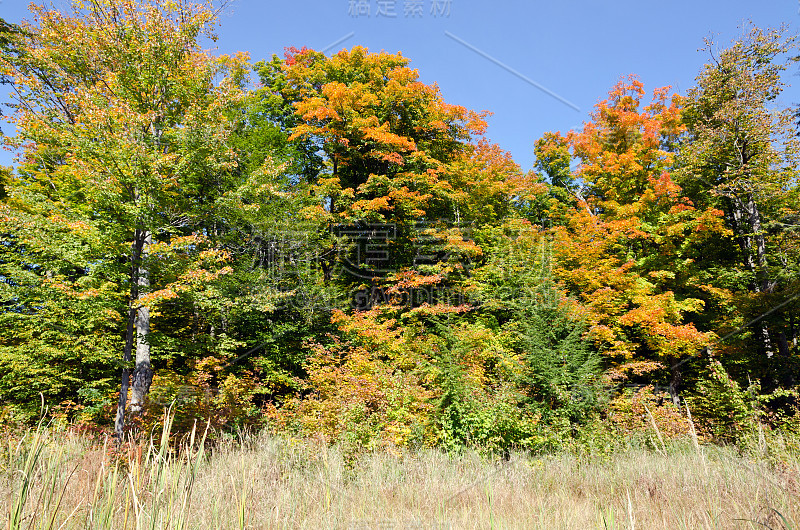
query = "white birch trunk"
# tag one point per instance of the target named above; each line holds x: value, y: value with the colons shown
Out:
x: 143, y: 371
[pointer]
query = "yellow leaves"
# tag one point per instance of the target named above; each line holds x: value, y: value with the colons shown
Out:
x: 661, y: 275
x: 637, y: 412
x: 203, y: 276
x: 382, y: 135
x: 403, y: 76
x: 406, y: 196
x: 456, y: 242
x: 170, y: 6
x: 637, y: 368
x: 372, y: 379
x: 378, y: 204
x: 76, y: 226
x: 108, y: 69
x: 720, y: 295
x: 175, y: 244
x: 191, y: 280
x: 215, y: 255
x: 486, y: 181
x: 317, y: 213
x: 429, y: 310
x: 369, y: 327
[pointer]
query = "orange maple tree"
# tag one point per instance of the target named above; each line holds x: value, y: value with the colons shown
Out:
x: 626, y: 248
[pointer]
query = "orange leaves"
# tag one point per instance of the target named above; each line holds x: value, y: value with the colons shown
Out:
x: 378, y: 204
x: 403, y: 76
x: 638, y: 411
x: 382, y: 135
x: 628, y: 313
x: 370, y: 380
x: 191, y: 280
x: 712, y: 220
x: 625, y: 95
x: 71, y: 289
x: 411, y: 280
x: 76, y: 226
x: 461, y: 246
x: 371, y: 116
x: 664, y: 186
x: 430, y: 310
x: 314, y: 110
x: 619, y: 252
x: 371, y: 330
x: 155, y: 297
x: 622, y: 148
x: 392, y: 158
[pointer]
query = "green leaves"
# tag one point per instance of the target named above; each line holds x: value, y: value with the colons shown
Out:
x: 124, y: 124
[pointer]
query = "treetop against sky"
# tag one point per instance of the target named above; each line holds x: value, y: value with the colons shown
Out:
x: 537, y: 66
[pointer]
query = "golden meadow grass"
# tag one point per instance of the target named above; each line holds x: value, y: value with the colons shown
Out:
x: 54, y: 479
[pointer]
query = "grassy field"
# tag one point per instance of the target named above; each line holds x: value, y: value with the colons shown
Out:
x: 54, y: 479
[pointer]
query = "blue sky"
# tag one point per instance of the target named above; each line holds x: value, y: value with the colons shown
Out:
x: 574, y: 49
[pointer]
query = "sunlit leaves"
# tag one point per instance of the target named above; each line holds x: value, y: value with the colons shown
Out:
x: 625, y: 248
x: 123, y: 123
x: 387, y: 135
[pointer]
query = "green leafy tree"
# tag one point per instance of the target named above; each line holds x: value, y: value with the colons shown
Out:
x: 7, y: 33
x: 122, y: 119
x: 557, y: 368
x: 741, y: 156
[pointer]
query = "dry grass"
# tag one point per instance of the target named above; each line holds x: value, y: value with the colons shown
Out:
x: 270, y: 482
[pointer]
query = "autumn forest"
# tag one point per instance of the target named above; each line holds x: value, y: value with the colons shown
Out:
x: 319, y: 245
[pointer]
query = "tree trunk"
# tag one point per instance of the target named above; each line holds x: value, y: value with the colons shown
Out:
x: 764, y: 283
x: 143, y: 372
x: 750, y: 236
x: 742, y: 235
x: 119, y: 420
x: 138, y: 328
x: 136, y: 253
x: 783, y: 344
x: 675, y: 383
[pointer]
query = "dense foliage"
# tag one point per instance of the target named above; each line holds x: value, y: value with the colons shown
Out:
x: 337, y: 251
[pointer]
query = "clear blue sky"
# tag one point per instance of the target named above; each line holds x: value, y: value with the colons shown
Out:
x: 575, y: 49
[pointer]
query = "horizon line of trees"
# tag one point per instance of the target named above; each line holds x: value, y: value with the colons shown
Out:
x: 323, y: 245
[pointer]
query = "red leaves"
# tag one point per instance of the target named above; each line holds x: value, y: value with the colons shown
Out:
x: 291, y: 54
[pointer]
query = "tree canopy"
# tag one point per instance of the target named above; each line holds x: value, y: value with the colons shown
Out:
x: 335, y: 250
